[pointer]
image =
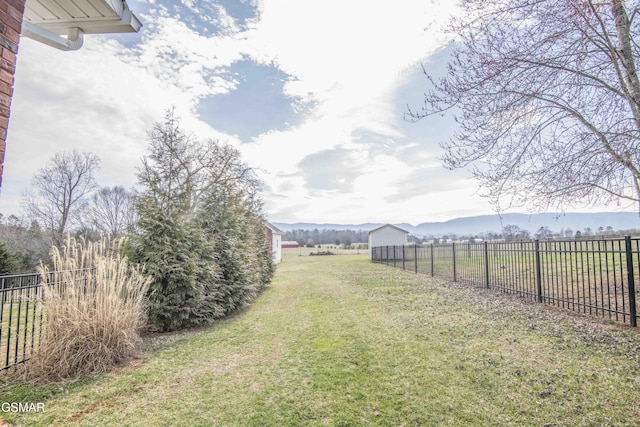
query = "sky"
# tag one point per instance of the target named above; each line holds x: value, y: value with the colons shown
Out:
x: 313, y: 94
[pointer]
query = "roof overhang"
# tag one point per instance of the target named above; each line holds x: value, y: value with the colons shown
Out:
x: 272, y: 227
x: 67, y: 17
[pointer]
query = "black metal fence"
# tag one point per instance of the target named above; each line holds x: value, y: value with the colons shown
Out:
x: 596, y: 277
x: 21, y: 316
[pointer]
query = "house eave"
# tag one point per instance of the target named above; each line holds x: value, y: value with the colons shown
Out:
x: 128, y: 23
x: 88, y: 16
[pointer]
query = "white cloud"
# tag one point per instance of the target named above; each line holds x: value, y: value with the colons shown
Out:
x: 350, y: 58
x: 180, y: 57
x: 347, y: 52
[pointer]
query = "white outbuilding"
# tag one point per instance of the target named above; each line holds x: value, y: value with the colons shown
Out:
x: 387, y: 235
x: 274, y: 236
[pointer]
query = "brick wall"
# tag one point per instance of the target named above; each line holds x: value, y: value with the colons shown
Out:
x: 11, y: 12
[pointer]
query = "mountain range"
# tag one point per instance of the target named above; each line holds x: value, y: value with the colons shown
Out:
x: 494, y: 223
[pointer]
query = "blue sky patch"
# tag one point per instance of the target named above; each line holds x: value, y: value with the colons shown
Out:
x: 212, y: 17
x: 206, y: 17
x: 242, y: 10
x: 328, y: 170
x: 256, y: 106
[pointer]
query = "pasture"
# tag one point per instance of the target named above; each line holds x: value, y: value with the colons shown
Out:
x: 336, y: 340
x: 356, y: 249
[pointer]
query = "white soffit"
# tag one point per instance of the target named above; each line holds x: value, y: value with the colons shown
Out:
x: 90, y: 16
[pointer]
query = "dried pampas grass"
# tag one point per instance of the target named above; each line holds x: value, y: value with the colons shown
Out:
x: 93, y: 305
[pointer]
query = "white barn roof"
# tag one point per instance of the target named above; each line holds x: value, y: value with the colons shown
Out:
x: 388, y: 225
x: 272, y: 227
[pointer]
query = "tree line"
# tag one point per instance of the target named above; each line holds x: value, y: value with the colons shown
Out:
x: 513, y: 233
x: 325, y: 236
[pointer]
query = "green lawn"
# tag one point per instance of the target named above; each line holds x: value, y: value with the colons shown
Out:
x: 338, y: 341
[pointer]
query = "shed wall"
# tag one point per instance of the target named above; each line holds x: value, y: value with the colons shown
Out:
x: 276, y: 247
x: 387, y: 236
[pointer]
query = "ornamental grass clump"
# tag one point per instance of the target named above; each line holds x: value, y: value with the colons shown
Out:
x: 93, y: 308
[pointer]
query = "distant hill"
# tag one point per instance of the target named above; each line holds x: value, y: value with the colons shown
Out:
x: 495, y: 223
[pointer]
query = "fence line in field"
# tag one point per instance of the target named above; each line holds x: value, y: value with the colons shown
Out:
x: 596, y: 277
x: 21, y: 315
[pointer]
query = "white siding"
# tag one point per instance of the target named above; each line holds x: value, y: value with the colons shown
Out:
x: 276, y: 247
x: 387, y: 236
x: 276, y: 241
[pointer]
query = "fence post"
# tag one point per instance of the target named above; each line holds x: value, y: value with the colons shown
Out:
x: 415, y: 250
x: 538, y: 271
x: 403, y: 263
x: 486, y: 263
x: 432, y: 270
x: 631, y: 281
x: 387, y: 255
x: 453, y: 249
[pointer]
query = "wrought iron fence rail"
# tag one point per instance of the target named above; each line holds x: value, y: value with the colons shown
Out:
x: 595, y: 277
x: 20, y: 322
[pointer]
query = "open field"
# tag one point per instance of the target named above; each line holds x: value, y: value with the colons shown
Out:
x: 304, y: 251
x: 339, y: 341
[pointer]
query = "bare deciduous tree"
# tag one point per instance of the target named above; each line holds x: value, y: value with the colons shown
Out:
x: 112, y: 210
x: 547, y: 97
x: 59, y: 191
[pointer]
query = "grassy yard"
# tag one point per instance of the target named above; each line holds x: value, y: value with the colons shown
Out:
x: 338, y: 341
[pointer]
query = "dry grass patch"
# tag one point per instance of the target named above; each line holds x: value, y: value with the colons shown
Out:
x: 92, y: 311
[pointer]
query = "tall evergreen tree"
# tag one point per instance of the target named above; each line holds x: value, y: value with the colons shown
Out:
x: 200, y: 233
x: 232, y: 219
x: 164, y: 241
x: 164, y: 246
